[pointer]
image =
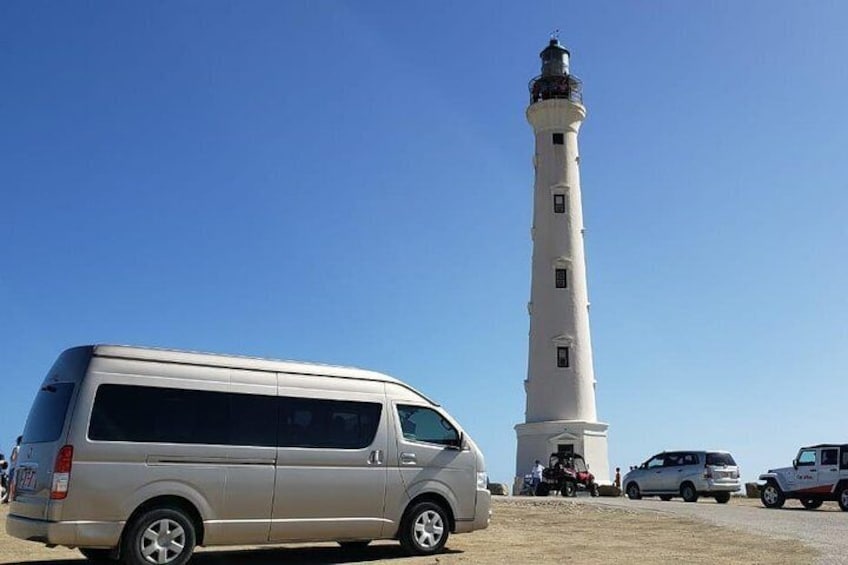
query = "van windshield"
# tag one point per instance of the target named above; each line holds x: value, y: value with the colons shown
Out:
x: 47, y: 415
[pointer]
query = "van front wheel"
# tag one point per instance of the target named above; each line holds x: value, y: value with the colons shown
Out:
x: 162, y: 536
x: 424, y: 530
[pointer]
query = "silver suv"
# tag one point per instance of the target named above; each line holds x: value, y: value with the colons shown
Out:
x: 687, y: 474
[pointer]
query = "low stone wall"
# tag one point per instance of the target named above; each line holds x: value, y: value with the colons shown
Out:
x: 609, y: 490
x: 499, y: 489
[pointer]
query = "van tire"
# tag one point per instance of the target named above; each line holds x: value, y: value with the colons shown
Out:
x: 688, y: 492
x: 171, y: 526
x: 97, y: 555
x: 424, y: 529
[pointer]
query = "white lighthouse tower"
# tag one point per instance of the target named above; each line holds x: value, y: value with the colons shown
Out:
x: 560, y: 385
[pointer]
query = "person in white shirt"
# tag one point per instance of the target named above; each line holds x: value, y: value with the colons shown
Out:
x: 536, y: 474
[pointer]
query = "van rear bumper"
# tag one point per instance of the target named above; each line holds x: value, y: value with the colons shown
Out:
x: 482, y: 514
x: 72, y: 534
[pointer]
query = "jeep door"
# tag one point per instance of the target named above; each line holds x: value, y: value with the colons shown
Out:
x: 806, y: 473
x: 828, y: 470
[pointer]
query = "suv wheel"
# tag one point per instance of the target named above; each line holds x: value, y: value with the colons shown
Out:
x: 772, y: 497
x: 424, y: 530
x: 811, y: 503
x: 163, y: 536
x: 633, y: 492
x: 688, y: 492
x: 843, y: 498
x: 722, y: 497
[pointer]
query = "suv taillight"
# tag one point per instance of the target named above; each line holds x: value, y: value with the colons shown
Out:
x: 62, y: 472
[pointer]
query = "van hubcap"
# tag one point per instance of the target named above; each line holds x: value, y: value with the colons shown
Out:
x: 162, y: 542
x: 429, y: 529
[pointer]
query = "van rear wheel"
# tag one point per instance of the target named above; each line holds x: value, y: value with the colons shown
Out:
x: 161, y: 536
x: 424, y: 529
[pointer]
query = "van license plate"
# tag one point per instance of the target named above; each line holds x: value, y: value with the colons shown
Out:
x: 26, y: 479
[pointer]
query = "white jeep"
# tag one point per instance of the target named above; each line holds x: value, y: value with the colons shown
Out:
x: 817, y: 474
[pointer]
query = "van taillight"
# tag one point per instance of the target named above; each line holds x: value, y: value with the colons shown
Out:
x: 62, y: 472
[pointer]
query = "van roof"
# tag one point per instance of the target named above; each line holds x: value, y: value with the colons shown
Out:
x: 241, y: 362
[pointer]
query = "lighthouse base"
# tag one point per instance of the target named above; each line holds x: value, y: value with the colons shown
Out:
x: 537, y: 440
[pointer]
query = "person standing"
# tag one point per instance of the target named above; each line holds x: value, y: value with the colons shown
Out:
x: 617, y: 482
x: 536, y: 475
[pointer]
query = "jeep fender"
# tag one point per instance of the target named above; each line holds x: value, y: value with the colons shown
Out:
x: 775, y: 478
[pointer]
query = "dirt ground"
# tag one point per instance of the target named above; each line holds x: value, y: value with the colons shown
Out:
x: 523, y: 530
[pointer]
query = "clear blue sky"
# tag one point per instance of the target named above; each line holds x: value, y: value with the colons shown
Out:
x: 351, y: 183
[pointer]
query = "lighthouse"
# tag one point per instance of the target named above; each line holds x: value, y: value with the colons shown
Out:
x: 560, y: 414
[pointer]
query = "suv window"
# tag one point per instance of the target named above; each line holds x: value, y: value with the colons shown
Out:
x: 807, y: 458
x: 720, y: 460
x: 673, y: 459
x: 689, y: 459
x: 655, y: 461
x: 424, y: 424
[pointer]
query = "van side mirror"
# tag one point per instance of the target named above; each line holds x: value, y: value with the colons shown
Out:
x: 460, y: 443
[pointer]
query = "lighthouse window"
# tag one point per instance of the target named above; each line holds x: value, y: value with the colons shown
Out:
x: 561, y: 278
x: 559, y: 203
x: 562, y: 357
x: 559, y: 139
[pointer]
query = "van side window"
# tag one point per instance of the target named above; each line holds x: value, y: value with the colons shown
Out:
x: 424, y: 424
x: 334, y: 424
x: 169, y: 415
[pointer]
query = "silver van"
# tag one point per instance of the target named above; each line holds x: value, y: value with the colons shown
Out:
x: 142, y: 454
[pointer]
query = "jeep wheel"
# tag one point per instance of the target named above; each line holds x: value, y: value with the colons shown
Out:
x: 543, y: 489
x: 843, y: 499
x: 688, y: 492
x: 568, y: 489
x: 722, y: 497
x: 811, y: 503
x: 771, y: 496
x: 665, y: 497
x: 633, y: 492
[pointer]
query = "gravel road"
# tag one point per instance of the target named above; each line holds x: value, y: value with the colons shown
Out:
x: 822, y: 529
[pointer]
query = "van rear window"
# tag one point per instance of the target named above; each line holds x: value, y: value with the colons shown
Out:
x: 47, y: 415
x: 720, y: 460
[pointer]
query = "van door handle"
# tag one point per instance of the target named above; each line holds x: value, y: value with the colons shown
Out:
x: 375, y: 457
x: 408, y: 459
